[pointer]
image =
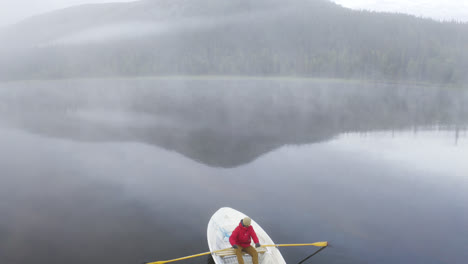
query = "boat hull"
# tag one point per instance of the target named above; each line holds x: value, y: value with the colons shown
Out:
x: 220, y: 227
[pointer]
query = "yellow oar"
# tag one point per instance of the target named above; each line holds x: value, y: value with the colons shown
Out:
x: 188, y: 257
x: 317, y: 244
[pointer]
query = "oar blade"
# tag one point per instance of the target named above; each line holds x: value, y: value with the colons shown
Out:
x: 321, y: 244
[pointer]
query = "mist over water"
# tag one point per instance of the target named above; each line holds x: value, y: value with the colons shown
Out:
x: 131, y: 170
x: 225, y: 122
x: 125, y: 126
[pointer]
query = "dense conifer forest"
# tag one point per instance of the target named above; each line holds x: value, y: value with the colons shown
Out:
x: 263, y: 38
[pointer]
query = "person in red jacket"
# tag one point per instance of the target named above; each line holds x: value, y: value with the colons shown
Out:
x: 240, y: 240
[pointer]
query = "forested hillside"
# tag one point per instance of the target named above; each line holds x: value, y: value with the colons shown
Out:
x: 312, y: 38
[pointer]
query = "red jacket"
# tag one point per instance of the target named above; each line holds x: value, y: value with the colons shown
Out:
x: 241, y: 236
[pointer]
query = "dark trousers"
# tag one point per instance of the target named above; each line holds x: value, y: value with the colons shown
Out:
x: 250, y: 250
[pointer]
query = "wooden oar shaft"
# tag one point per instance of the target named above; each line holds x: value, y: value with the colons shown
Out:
x: 187, y: 257
x: 316, y: 244
x: 183, y: 258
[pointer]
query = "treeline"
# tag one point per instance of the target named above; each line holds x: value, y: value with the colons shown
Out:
x: 313, y: 39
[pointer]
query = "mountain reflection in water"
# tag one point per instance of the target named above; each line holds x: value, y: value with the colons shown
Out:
x: 86, y: 175
x: 225, y: 122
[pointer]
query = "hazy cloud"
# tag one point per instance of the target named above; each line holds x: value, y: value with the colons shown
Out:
x: 17, y: 10
x: 436, y: 9
x: 13, y: 11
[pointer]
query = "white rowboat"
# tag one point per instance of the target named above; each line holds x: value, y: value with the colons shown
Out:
x: 220, y: 227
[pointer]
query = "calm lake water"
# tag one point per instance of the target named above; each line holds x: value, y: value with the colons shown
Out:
x: 126, y: 171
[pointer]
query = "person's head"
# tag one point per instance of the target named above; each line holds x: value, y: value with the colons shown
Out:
x: 246, y: 221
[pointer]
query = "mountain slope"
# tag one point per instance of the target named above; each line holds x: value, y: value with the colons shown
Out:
x: 45, y: 29
x: 160, y: 37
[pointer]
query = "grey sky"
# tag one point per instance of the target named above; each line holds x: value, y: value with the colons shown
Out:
x: 12, y: 11
x: 436, y: 9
